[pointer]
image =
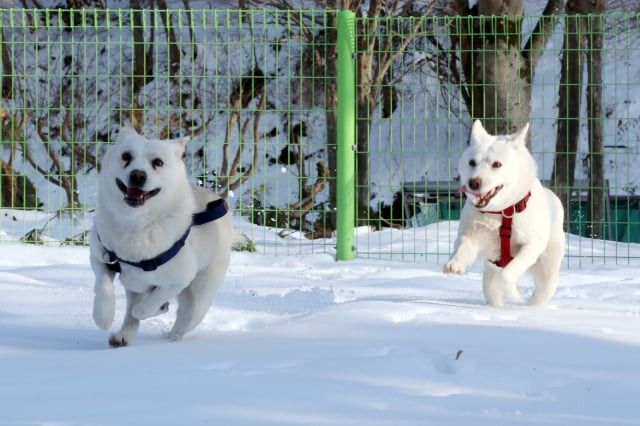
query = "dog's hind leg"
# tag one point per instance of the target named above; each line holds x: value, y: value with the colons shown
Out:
x: 546, y: 272
x: 545, y: 282
x: 195, y: 300
x: 130, y: 324
x: 490, y: 287
x: 155, y: 302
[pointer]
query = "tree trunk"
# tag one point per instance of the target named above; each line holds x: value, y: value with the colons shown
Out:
x: 17, y: 191
x: 331, y: 117
x: 364, y: 95
x: 142, y: 64
x: 501, y: 89
x: 7, y: 69
x: 570, y: 95
x: 367, y: 93
x: 496, y: 68
x: 363, y: 187
x: 174, y: 50
x: 595, y: 116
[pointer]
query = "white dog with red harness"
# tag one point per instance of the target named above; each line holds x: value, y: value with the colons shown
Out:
x: 165, y: 237
x: 509, y: 219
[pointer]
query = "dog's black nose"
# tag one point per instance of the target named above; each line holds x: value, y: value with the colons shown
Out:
x: 475, y: 183
x: 137, y: 178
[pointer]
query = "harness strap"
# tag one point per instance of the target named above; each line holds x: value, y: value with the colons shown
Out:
x: 506, y: 230
x: 214, y: 211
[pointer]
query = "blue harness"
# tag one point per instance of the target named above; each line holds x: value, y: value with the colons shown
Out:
x: 214, y: 211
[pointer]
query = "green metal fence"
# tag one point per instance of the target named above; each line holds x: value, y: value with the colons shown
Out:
x: 276, y: 101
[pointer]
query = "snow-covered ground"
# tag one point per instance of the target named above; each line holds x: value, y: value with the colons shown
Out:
x: 302, y: 339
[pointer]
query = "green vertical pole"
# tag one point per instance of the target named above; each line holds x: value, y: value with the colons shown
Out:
x: 345, y: 174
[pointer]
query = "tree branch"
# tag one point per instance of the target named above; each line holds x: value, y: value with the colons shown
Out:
x: 256, y: 145
x: 541, y: 33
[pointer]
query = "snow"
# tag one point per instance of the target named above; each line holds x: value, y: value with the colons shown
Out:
x: 297, y: 338
x: 302, y: 340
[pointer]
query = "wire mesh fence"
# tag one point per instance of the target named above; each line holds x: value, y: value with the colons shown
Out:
x: 257, y: 91
x: 429, y: 75
x: 248, y: 87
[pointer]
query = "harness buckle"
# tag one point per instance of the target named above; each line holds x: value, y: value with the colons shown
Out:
x: 148, y: 265
x: 509, y: 213
x: 109, y: 258
x: 505, y: 231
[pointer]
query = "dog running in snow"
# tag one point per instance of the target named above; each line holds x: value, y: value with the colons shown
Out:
x: 165, y: 237
x: 509, y: 219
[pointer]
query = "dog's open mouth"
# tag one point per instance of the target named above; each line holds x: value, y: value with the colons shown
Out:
x: 134, y: 196
x: 481, y: 200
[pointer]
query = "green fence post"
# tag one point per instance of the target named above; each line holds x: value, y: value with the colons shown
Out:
x: 345, y: 174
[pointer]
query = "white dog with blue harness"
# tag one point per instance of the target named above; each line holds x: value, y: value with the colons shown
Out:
x: 165, y: 237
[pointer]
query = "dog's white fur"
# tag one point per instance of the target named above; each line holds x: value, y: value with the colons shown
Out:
x: 537, y: 241
x: 194, y: 275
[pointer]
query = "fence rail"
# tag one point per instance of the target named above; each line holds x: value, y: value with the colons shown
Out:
x: 263, y: 93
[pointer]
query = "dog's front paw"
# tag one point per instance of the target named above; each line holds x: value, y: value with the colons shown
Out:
x: 103, y: 312
x: 454, y: 267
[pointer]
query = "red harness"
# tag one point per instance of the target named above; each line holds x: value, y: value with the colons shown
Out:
x: 505, y: 229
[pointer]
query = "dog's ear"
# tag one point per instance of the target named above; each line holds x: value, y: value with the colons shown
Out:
x: 521, y: 135
x: 180, y: 144
x: 182, y: 141
x: 478, y: 133
x: 126, y: 130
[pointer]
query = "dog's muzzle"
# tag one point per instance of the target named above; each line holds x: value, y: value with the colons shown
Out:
x: 481, y: 200
x: 135, y: 196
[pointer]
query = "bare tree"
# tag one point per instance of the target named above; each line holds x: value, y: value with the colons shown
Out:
x: 17, y: 190
x: 142, y: 57
x: 569, y: 105
x: 378, y: 49
x: 174, y: 50
x: 595, y: 116
x: 7, y: 69
x: 583, y: 42
x: 248, y: 88
x: 497, y: 64
x: 144, y: 50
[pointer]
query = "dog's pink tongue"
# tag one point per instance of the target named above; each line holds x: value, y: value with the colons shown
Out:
x: 465, y: 190
x: 477, y: 199
x: 135, y: 193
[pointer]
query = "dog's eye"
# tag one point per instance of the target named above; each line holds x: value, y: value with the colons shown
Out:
x: 496, y: 165
x: 472, y: 163
x: 157, y: 162
x: 126, y: 157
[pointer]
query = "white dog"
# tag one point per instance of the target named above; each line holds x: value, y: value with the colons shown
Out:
x: 508, y: 219
x: 165, y: 236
